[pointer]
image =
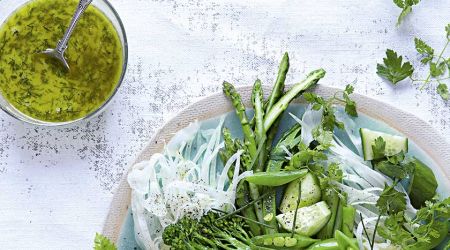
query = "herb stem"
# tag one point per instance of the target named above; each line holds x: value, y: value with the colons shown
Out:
x: 437, y: 62
x: 375, y: 232
x: 365, y: 229
x: 296, y: 207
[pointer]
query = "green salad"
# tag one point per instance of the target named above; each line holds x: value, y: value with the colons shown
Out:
x: 323, y: 184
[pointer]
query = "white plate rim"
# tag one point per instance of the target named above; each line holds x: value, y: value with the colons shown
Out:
x: 422, y: 133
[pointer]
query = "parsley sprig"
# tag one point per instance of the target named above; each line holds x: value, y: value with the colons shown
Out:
x: 329, y: 120
x: 406, y: 6
x: 394, y: 69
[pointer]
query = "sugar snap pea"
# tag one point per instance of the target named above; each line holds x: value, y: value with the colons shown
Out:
x: 275, y: 179
x: 339, y: 242
x: 283, y: 241
x: 345, y: 242
x: 348, y: 220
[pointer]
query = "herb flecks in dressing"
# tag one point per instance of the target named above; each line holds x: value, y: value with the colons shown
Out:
x: 41, y: 88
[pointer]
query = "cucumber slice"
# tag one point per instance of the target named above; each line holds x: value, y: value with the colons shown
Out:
x: 309, y: 219
x: 310, y: 193
x: 394, y: 143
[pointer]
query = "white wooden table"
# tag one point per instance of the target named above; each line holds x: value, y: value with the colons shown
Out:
x: 56, y: 184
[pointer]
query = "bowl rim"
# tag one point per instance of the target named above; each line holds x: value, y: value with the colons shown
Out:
x: 423, y: 134
x: 102, y: 107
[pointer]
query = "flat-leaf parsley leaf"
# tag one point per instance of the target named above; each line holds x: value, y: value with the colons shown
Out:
x: 393, y: 69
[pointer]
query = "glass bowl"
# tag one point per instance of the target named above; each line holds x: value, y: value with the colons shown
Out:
x: 7, y: 7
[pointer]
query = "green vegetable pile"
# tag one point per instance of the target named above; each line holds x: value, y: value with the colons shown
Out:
x: 308, y: 189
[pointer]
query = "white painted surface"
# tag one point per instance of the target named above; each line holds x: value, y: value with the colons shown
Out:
x: 56, y: 184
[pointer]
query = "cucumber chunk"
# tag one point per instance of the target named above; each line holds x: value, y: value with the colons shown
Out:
x: 423, y: 184
x: 309, y: 219
x: 310, y: 193
x: 394, y: 143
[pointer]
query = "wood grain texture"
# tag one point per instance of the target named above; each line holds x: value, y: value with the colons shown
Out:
x: 56, y: 185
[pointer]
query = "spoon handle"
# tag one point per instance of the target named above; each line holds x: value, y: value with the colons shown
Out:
x: 62, y: 44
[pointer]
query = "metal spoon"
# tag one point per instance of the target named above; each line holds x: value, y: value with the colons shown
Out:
x: 61, y: 47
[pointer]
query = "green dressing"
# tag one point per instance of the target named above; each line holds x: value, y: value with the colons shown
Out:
x: 41, y: 88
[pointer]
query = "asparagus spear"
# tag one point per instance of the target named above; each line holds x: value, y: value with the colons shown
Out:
x: 284, y: 101
x: 277, y: 92
x: 278, y: 88
x: 257, y: 100
x: 243, y: 192
x: 249, y: 140
x: 249, y: 136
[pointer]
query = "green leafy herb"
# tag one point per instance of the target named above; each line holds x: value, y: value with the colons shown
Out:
x: 329, y: 120
x: 103, y: 243
x: 393, y: 69
x: 391, y: 201
x: 437, y: 69
x: 425, y: 231
x: 406, y: 6
x: 350, y: 105
x: 305, y: 157
x: 424, y: 49
x: 379, y: 147
x: 442, y: 90
x: 323, y: 137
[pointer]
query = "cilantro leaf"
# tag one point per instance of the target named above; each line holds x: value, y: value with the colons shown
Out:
x: 393, y: 229
x: 393, y: 69
x: 305, y: 157
x: 399, y: 3
x: 349, y: 89
x: 323, y: 137
x: 350, y: 105
x: 423, y: 48
x: 406, y: 10
x: 442, y: 90
x: 329, y: 120
x: 379, y: 147
x: 425, y: 231
x: 406, y: 6
x: 103, y: 243
x: 393, y: 170
x: 391, y: 201
x: 437, y: 69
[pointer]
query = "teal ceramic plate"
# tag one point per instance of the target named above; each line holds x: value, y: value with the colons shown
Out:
x: 425, y: 143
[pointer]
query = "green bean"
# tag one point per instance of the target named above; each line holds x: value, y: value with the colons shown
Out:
x: 338, y: 220
x: 275, y: 179
x: 348, y: 220
x: 280, y: 106
x: 283, y: 241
